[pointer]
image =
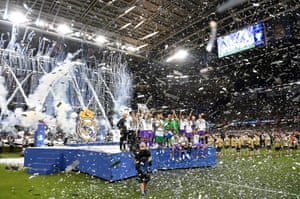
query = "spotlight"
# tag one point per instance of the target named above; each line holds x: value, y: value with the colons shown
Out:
x: 17, y: 18
x: 90, y: 37
x: 77, y: 34
x: 132, y: 49
x: 179, y: 55
x: 64, y: 29
x: 39, y: 23
x: 25, y: 6
x: 101, y: 39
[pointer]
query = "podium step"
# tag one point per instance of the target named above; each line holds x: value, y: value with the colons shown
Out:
x: 40, y: 171
x: 46, y: 165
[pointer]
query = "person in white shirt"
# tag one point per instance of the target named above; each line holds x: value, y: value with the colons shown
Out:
x: 201, y: 127
x: 189, y: 129
x: 176, y: 146
x: 198, y: 145
x: 133, y: 123
x: 159, y: 130
x: 184, y: 143
x: 182, y: 124
x: 146, y: 129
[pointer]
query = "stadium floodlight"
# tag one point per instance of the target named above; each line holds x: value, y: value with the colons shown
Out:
x: 64, y: 29
x: 179, y: 55
x: 17, y: 18
x: 39, y: 23
x: 101, y: 39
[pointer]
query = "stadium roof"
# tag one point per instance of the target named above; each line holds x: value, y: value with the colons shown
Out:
x: 149, y: 31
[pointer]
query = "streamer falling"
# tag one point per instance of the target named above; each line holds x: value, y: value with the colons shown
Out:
x: 213, y: 33
x: 54, y: 88
x: 229, y: 4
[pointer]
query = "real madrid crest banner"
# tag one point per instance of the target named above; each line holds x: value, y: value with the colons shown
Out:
x: 86, y: 127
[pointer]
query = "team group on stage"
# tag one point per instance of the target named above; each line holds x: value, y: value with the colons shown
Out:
x: 183, y: 132
x: 179, y: 133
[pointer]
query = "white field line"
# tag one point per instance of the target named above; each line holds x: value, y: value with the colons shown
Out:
x: 12, y: 161
x: 254, y: 188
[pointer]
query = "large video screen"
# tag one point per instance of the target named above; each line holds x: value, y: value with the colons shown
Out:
x: 249, y: 37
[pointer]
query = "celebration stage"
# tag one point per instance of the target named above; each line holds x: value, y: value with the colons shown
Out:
x: 105, y: 161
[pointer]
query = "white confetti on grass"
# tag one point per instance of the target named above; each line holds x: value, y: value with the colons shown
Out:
x: 235, y: 178
x: 254, y: 188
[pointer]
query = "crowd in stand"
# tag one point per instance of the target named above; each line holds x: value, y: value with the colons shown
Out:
x: 183, y: 132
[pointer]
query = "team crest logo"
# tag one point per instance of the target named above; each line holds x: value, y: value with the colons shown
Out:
x: 86, y: 127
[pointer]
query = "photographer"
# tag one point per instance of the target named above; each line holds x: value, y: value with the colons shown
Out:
x: 143, y: 162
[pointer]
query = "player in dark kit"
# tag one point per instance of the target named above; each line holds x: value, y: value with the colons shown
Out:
x: 143, y: 162
x: 122, y: 125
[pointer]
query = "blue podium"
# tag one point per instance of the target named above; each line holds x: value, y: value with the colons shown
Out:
x: 103, y: 163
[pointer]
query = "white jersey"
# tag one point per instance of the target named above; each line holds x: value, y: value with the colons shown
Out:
x: 196, y: 139
x: 149, y: 124
x: 189, y: 127
x: 183, y: 140
x: 158, y: 124
x: 182, y: 124
x: 146, y: 124
x: 174, y: 140
x: 142, y: 124
x: 201, y: 125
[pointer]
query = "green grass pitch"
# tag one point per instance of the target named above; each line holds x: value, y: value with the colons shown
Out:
x: 264, y: 176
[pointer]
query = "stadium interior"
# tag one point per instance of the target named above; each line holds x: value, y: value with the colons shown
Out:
x: 258, y: 83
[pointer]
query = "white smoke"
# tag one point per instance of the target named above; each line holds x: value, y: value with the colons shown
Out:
x: 122, y: 82
x: 28, y: 119
x: 10, y: 119
x: 62, y: 106
x: 55, y: 83
x: 37, y: 99
x: 8, y: 124
x: 3, y: 95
